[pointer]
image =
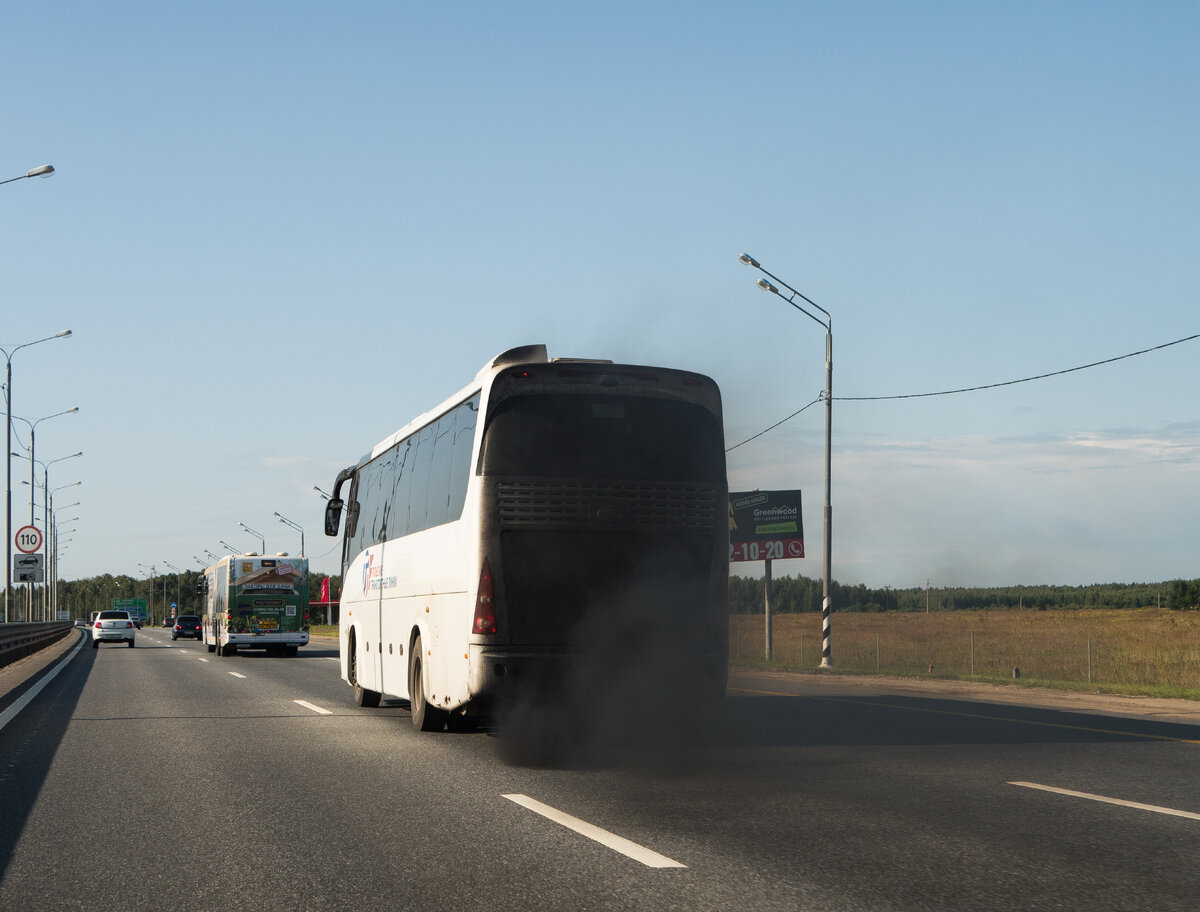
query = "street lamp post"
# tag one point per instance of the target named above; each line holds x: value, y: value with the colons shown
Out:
x: 8, y: 356
x: 47, y: 497
x: 33, y: 448
x: 32, y: 466
x: 225, y: 544
x: 39, y: 171
x: 52, y: 532
x: 178, y: 590
x: 215, y: 557
x: 51, y: 539
x: 257, y: 535
x: 153, y: 573
x: 287, y: 522
x: 827, y: 543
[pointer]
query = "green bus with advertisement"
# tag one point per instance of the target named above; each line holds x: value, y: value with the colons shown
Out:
x: 256, y: 602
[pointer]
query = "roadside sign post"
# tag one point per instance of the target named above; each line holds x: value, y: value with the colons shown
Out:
x: 765, y: 525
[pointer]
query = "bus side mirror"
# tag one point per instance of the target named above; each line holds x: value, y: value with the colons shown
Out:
x: 333, y: 516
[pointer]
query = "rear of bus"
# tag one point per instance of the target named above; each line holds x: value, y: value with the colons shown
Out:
x: 603, y: 537
x: 267, y: 605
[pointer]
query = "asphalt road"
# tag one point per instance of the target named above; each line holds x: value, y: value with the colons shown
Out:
x: 163, y: 777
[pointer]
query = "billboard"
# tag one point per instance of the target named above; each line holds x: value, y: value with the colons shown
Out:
x: 135, y: 606
x: 765, y: 525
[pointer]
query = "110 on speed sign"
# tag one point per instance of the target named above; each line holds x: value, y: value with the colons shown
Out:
x: 29, y: 539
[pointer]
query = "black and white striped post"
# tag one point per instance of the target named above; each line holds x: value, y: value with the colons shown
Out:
x: 827, y: 395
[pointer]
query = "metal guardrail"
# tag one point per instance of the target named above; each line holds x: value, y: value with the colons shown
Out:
x: 20, y: 640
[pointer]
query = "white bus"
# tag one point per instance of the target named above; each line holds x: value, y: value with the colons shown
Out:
x: 557, y: 524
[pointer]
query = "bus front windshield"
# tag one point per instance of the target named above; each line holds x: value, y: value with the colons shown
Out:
x: 636, y: 438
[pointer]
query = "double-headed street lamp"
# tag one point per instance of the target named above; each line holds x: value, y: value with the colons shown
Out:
x: 287, y: 522
x: 8, y: 356
x: 257, y: 535
x: 33, y: 448
x: 225, y: 544
x: 178, y: 589
x: 47, y: 494
x: 827, y: 395
x: 153, y: 573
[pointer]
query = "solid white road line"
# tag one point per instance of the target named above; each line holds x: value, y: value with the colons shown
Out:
x: 1117, y: 801
x: 26, y: 698
x: 605, y: 838
x: 236, y: 675
x: 316, y: 709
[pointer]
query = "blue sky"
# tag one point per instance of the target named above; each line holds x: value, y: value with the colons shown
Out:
x: 278, y: 231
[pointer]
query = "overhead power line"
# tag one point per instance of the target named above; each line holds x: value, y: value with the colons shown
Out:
x: 969, y: 389
x: 775, y: 425
x: 1057, y: 373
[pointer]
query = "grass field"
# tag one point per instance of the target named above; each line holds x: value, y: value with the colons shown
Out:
x: 1152, y: 652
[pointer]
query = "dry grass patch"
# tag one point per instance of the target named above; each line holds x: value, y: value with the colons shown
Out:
x: 1148, y: 651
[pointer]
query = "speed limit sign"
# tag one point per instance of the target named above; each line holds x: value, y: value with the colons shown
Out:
x: 29, y: 539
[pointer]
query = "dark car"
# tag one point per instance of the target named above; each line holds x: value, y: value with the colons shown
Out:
x: 186, y: 625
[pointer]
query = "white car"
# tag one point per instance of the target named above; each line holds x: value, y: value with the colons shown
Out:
x: 113, y: 625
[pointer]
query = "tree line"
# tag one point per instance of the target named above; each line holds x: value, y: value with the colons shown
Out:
x: 81, y: 597
x: 789, y: 595
x: 800, y: 594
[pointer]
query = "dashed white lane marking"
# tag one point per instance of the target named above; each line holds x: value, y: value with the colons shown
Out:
x: 604, y: 837
x: 316, y: 709
x: 204, y: 660
x: 236, y: 675
x: 1105, y: 800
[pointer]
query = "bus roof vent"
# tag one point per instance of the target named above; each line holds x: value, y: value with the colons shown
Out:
x: 521, y: 355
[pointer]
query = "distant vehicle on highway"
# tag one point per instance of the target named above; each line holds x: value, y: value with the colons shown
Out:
x: 168, y: 622
x: 256, y: 602
x: 186, y: 625
x: 555, y: 521
x: 137, y: 621
x: 113, y: 626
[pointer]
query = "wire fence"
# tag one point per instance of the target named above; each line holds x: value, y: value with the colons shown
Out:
x: 1142, y: 651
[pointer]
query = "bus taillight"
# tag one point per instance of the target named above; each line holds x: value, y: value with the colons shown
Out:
x: 485, y: 612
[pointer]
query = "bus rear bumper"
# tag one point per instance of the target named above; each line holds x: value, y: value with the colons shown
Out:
x: 262, y: 640
x: 501, y: 674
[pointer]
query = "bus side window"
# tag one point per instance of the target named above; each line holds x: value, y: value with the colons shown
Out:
x: 460, y: 461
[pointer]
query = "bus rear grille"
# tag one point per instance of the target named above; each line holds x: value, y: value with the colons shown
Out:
x: 614, y: 504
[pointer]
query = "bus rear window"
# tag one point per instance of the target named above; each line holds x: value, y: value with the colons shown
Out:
x: 589, y: 436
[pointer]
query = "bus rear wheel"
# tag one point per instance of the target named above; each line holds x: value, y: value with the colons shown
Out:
x: 425, y: 718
